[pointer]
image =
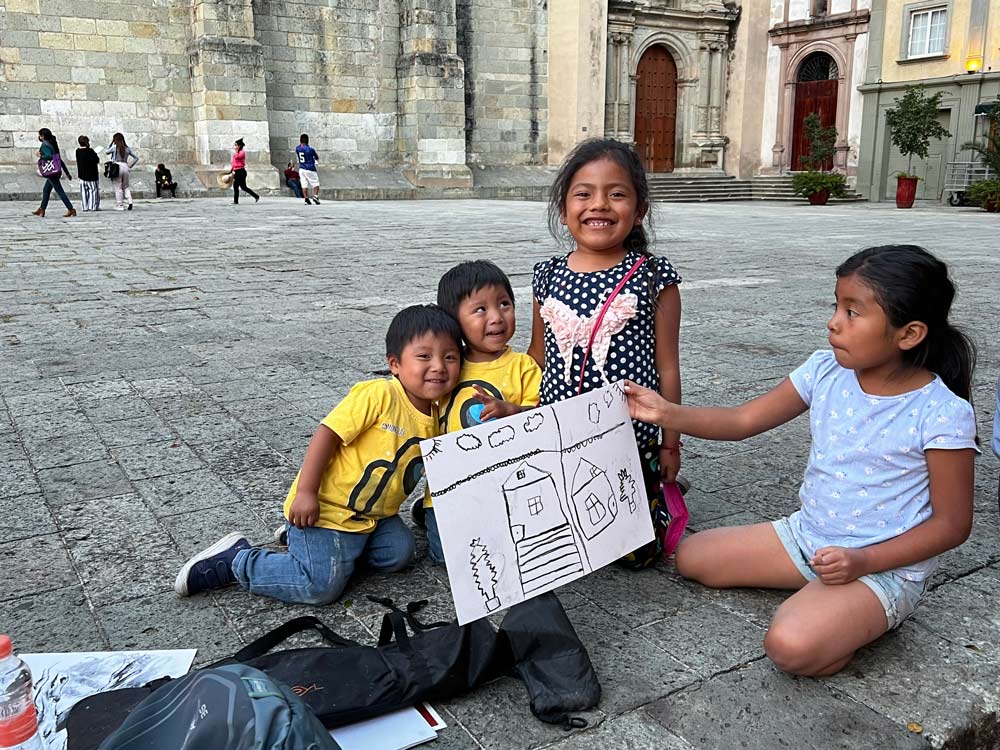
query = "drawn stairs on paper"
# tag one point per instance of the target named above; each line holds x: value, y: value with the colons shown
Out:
x: 547, y: 551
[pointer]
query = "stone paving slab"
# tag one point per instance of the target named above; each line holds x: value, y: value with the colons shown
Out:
x: 161, y: 372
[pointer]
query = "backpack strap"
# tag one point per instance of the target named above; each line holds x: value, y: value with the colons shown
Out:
x: 410, y: 614
x: 281, y: 633
x: 600, y: 319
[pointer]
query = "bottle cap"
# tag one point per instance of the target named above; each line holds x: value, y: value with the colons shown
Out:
x: 5, y: 646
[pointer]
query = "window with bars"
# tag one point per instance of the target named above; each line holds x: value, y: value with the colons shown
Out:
x: 928, y: 32
x: 534, y: 505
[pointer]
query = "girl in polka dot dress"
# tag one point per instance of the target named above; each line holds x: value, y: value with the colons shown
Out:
x: 889, y: 482
x: 600, y: 198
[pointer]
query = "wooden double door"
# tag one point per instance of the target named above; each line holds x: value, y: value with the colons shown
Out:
x: 656, y: 110
x: 812, y: 96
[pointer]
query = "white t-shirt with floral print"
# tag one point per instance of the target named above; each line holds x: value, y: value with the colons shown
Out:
x: 867, y: 478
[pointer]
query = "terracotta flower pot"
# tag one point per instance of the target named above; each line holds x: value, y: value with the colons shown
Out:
x: 819, y: 199
x: 906, y: 191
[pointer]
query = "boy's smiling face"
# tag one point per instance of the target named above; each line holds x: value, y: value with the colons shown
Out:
x: 488, y: 322
x: 427, y: 368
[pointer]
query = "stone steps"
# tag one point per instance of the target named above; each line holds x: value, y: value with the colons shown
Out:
x: 684, y: 188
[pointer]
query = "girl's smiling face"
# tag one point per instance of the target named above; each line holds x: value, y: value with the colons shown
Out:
x: 601, y: 207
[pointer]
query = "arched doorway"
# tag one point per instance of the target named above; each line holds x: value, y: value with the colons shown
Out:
x: 656, y: 109
x: 815, y: 91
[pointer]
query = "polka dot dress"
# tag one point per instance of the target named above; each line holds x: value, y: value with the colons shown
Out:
x: 632, y: 353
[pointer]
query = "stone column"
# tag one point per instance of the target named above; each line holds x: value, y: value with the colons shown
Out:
x: 710, y: 142
x: 228, y: 94
x: 430, y: 77
x: 786, y: 95
x: 618, y: 84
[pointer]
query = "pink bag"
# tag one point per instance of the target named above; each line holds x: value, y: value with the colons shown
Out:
x: 678, y: 511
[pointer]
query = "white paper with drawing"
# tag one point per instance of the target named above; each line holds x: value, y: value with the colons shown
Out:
x: 530, y: 502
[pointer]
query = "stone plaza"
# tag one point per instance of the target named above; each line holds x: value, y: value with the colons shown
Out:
x: 162, y: 371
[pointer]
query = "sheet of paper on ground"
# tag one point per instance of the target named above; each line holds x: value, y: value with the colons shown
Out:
x: 530, y: 502
x: 398, y: 730
x: 61, y: 680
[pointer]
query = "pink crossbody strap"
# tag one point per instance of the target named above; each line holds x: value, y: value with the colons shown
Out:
x: 600, y: 319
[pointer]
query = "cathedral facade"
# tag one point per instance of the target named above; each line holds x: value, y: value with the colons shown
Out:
x: 432, y: 90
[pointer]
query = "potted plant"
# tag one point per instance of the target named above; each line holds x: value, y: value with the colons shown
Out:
x: 912, y: 125
x: 986, y: 193
x: 815, y: 184
x: 818, y: 187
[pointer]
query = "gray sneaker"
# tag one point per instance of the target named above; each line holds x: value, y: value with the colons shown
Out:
x: 212, y: 568
x: 280, y: 535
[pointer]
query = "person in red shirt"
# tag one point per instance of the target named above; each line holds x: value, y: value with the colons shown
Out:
x: 292, y: 180
x: 238, y: 168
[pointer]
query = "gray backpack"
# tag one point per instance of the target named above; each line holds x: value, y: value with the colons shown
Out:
x: 234, y: 707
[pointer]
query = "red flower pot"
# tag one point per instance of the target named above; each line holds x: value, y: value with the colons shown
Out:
x: 819, y: 199
x: 906, y: 191
x: 993, y: 207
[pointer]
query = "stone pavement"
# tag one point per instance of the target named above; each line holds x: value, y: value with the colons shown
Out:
x: 161, y: 372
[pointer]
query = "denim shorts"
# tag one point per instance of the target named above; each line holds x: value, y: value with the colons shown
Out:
x: 899, y: 597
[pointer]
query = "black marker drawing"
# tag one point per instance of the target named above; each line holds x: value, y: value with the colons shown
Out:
x: 534, y: 421
x: 546, y: 548
x: 435, y: 450
x: 594, y: 413
x: 594, y: 497
x: 484, y: 573
x: 504, y: 435
x: 609, y: 398
x: 626, y: 488
x: 468, y: 442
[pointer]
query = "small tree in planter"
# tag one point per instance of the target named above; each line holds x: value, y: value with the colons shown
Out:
x: 818, y: 186
x: 986, y: 193
x: 912, y: 125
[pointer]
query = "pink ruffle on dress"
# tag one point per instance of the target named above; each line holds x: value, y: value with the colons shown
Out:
x: 571, y: 330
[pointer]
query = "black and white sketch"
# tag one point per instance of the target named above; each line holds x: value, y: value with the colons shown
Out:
x: 543, y: 498
x: 61, y: 680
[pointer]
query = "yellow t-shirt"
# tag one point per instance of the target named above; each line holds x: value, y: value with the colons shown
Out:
x: 513, y: 377
x: 379, y: 462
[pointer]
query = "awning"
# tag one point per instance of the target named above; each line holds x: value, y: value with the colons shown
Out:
x: 984, y: 109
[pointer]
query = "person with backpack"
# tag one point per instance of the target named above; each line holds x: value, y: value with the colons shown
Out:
x: 120, y: 154
x: 51, y: 167
x: 88, y: 169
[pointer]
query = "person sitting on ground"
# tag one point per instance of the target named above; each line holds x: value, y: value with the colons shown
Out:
x: 362, y: 463
x: 495, y: 381
x: 164, y: 181
x: 292, y: 180
x: 889, y: 482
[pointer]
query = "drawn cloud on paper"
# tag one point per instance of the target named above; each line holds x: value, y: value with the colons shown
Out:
x: 594, y: 413
x: 504, y: 435
x: 534, y: 421
x: 609, y: 398
x: 469, y: 442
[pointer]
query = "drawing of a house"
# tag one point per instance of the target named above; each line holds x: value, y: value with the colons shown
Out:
x: 546, y: 549
x: 594, y: 498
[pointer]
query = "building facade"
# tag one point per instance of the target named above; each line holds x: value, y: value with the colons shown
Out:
x: 429, y: 87
x: 946, y: 46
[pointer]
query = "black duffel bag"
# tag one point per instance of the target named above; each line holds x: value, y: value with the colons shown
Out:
x: 343, y: 683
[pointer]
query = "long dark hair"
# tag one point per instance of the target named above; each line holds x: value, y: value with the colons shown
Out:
x: 592, y: 150
x: 911, y: 284
x: 49, y: 138
x: 119, y: 140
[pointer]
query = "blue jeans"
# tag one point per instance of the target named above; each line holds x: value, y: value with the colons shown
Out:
x: 434, y: 550
x: 50, y: 184
x: 319, y: 562
x: 295, y: 185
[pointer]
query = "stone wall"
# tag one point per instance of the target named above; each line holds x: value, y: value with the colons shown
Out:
x: 376, y: 83
x: 504, y: 45
x: 93, y: 68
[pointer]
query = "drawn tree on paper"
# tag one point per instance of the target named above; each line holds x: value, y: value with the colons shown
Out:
x: 484, y: 573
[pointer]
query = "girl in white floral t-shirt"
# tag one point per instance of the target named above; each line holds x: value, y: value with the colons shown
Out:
x: 889, y: 483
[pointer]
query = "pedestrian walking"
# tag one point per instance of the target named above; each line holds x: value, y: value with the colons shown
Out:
x: 292, y: 180
x: 164, y: 181
x: 120, y: 154
x: 308, y: 176
x: 88, y: 169
x: 51, y: 167
x: 238, y: 169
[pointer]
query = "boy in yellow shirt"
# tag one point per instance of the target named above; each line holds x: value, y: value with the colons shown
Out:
x: 495, y: 380
x: 361, y: 464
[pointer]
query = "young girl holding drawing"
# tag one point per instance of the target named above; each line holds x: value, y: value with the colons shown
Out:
x: 889, y: 482
x: 600, y: 198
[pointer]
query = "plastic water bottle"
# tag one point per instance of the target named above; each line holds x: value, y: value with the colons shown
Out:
x: 18, y: 721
